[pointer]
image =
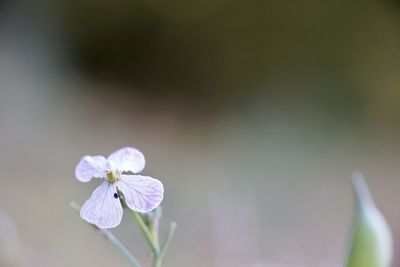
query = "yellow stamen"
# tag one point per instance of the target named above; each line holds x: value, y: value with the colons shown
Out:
x: 112, y: 176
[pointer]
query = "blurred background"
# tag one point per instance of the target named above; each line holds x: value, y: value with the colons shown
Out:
x: 252, y: 113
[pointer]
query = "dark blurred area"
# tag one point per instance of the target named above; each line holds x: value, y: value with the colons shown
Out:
x: 252, y: 113
x: 228, y: 53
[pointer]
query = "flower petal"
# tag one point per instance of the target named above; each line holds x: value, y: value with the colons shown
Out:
x: 103, y: 209
x: 128, y: 159
x: 142, y: 193
x: 91, y: 166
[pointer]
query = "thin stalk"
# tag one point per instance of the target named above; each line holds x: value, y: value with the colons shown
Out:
x: 167, y: 240
x: 153, y: 228
x: 113, y: 240
x: 146, y: 232
x: 156, y: 261
x: 158, y: 258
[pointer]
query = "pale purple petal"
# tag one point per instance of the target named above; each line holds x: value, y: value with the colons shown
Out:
x: 127, y: 159
x: 103, y: 208
x: 90, y: 167
x: 142, y: 193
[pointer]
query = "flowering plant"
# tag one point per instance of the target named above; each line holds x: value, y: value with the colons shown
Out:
x: 122, y: 187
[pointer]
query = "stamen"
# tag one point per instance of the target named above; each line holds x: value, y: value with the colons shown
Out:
x: 115, y: 195
x: 112, y: 176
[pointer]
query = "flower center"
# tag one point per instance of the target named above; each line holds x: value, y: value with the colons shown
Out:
x: 112, y: 176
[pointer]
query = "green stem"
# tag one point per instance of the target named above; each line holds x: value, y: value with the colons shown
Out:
x: 146, y: 232
x: 113, y: 240
x: 151, y: 236
x: 156, y: 261
x: 153, y: 228
x: 158, y: 258
x: 167, y: 240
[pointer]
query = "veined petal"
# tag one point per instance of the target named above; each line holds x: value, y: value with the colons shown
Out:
x: 91, y: 166
x: 142, y: 193
x: 103, y: 208
x: 127, y: 159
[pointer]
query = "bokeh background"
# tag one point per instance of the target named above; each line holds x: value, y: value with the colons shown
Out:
x: 253, y: 113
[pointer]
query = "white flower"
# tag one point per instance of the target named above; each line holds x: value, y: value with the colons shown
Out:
x: 141, y: 193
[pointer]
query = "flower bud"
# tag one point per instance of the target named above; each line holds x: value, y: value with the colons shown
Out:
x: 371, y: 244
x: 152, y: 221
